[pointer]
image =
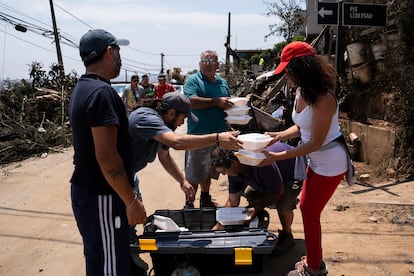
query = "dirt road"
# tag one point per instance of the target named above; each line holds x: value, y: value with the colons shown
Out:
x: 38, y: 235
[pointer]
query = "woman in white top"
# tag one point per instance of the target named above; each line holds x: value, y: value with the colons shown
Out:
x: 315, y: 116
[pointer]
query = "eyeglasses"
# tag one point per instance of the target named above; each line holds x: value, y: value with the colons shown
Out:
x: 135, y: 80
x: 208, y: 60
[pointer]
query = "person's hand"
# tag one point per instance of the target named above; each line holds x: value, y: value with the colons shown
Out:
x: 228, y: 140
x: 189, y: 191
x: 270, y: 158
x: 218, y: 226
x: 276, y: 137
x: 136, y: 213
x: 251, y: 212
x: 223, y: 102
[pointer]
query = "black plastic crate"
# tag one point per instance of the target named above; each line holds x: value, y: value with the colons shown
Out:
x: 234, y: 249
x: 164, y: 264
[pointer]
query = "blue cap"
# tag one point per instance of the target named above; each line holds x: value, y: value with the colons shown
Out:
x: 94, y: 43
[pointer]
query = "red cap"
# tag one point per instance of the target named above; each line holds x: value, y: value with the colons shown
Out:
x: 293, y: 50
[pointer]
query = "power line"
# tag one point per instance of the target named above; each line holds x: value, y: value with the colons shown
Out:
x: 125, y: 67
x: 80, y: 20
x: 36, y: 45
x: 19, y: 12
x: 157, y: 54
x: 64, y: 39
x: 34, y: 28
x: 141, y: 63
x: 143, y: 52
x: 24, y: 40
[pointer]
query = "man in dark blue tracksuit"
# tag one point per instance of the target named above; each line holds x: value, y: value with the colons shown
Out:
x: 103, y: 200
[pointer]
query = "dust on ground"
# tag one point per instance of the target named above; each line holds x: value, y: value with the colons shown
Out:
x: 368, y: 228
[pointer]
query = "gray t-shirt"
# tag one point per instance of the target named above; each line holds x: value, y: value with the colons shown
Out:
x: 144, y: 124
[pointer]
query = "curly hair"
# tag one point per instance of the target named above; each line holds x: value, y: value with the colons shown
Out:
x: 313, y: 75
x: 220, y: 157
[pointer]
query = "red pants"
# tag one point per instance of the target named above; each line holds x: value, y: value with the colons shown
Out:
x: 316, y: 192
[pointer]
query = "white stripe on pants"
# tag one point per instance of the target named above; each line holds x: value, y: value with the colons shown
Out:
x: 107, y: 232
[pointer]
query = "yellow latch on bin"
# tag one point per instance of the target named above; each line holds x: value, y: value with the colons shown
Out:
x: 148, y: 244
x: 243, y: 256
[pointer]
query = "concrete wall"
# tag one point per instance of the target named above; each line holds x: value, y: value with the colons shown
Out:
x: 377, y: 143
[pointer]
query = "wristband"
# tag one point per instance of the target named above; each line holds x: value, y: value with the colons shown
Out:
x: 217, y: 140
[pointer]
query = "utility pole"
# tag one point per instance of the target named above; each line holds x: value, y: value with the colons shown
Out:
x: 162, y: 63
x: 57, y: 41
x: 228, y: 49
x: 339, y: 51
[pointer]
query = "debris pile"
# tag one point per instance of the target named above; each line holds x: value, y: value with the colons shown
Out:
x: 33, y: 121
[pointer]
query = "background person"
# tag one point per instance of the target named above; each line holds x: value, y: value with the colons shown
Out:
x: 162, y: 87
x: 148, y: 87
x: 209, y: 95
x: 133, y: 94
x: 103, y: 201
x: 152, y: 131
x: 315, y: 117
x: 263, y: 187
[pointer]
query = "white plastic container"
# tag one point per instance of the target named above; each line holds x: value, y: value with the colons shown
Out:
x: 254, y: 141
x: 238, y: 120
x: 250, y: 158
x: 237, y: 110
x: 166, y: 224
x: 239, y: 101
x: 232, y: 215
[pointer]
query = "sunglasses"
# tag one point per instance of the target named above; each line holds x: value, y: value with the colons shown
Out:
x: 208, y: 60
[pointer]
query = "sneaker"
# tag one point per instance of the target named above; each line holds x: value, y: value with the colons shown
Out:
x: 301, y: 269
x: 264, y: 219
x: 285, y: 242
x: 189, y: 205
x: 206, y: 202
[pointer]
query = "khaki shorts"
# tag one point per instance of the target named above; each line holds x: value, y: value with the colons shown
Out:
x: 198, y: 166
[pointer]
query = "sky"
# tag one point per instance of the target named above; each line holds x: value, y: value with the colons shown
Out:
x: 180, y: 29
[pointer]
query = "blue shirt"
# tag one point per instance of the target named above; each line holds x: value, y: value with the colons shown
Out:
x: 95, y: 103
x: 144, y: 124
x: 210, y: 120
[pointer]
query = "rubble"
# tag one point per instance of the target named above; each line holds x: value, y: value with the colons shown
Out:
x: 33, y: 122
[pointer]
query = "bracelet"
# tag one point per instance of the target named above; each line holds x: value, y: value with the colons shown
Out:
x: 217, y: 140
x: 132, y: 202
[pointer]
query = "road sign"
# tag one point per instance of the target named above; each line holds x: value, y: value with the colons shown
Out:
x: 364, y: 15
x: 328, y: 13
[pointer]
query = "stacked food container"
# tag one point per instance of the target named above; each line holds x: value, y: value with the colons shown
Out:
x: 253, y: 144
x: 239, y: 113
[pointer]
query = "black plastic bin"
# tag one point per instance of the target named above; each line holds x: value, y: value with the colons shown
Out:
x: 235, y: 249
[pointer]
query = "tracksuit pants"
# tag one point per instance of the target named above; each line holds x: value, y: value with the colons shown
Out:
x: 104, y: 228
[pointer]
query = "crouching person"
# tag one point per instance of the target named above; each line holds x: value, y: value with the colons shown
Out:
x: 267, y: 186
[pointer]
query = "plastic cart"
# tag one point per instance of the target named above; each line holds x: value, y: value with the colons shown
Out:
x: 236, y: 248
